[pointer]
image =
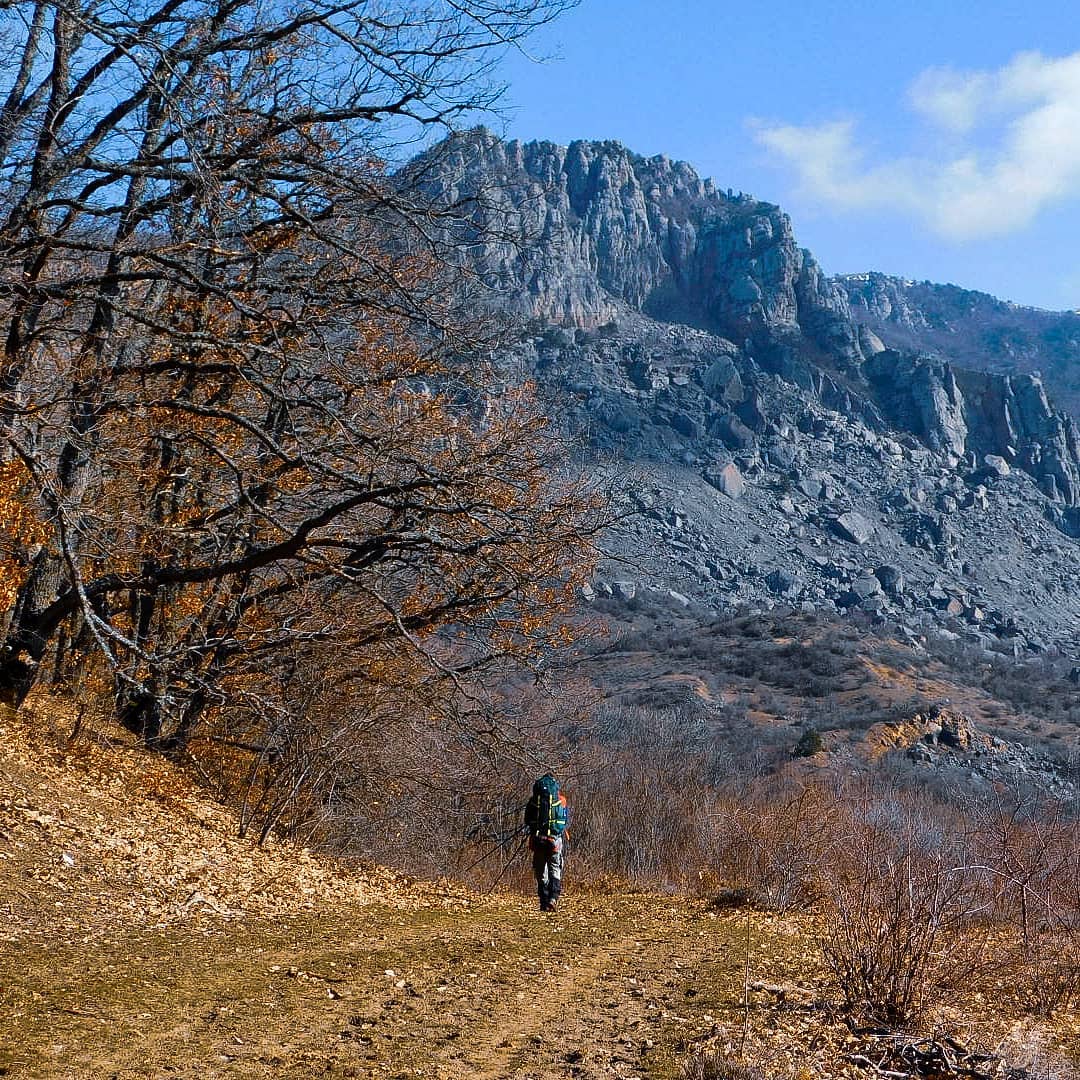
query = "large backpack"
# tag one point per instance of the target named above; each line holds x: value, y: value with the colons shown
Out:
x: 546, y: 813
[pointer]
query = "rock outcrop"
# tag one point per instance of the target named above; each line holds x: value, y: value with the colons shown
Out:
x: 1011, y: 416
x: 790, y: 447
x: 607, y: 230
x: 610, y: 236
x: 971, y: 329
x: 951, y: 744
x: 921, y: 395
x: 977, y: 414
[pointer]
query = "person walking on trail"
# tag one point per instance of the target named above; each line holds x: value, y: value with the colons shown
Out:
x: 546, y: 818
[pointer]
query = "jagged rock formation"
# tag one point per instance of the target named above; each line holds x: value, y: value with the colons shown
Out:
x: 611, y: 233
x: 608, y: 230
x: 949, y: 742
x: 975, y: 413
x: 971, y: 329
x: 788, y: 451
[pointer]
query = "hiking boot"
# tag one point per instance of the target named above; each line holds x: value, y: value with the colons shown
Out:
x: 553, y: 905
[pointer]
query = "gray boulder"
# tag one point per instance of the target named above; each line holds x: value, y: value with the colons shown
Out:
x: 727, y: 480
x: 891, y: 578
x: 732, y: 432
x: 721, y: 380
x: 866, y: 586
x: 853, y: 527
x: 783, y: 582
x: 810, y: 485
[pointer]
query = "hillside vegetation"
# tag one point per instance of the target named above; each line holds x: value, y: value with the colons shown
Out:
x: 143, y: 938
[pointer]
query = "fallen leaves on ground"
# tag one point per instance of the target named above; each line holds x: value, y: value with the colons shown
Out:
x: 142, y: 938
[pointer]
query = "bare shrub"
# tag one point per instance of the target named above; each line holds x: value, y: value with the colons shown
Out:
x: 644, y: 808
x: 902, y: 914
x: 1030, y: 849
x: 720, y: 1064
x: 1045, y: 973
x: 774, y: 840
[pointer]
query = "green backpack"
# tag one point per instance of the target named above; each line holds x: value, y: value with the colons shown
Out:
x: 546, y: 815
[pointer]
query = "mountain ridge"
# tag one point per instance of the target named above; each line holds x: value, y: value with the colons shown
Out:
x: 792, y: 448
x: 972, y: 328
x: 610, y: 230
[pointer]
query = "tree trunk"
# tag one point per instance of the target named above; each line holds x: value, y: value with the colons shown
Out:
x: 138, y: 710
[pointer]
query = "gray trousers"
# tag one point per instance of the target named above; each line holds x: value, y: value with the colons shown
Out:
x: 548, y: 868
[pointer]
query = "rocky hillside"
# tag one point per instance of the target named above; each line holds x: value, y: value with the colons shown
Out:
x: 971, y: 329
x: 780, y: 687
x: 784, y: 452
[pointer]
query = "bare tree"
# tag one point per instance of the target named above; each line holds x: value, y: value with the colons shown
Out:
x: 241, y: 410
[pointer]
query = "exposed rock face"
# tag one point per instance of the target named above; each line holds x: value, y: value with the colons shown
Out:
x: 1010, y: 416
x: 879, y: 299
x: 950, y: 743
x: 921, y: 395
x: 958, y: 412
x: 972, y: 329
x: 612, y: 236
x: 787, y: 451
x: 608, y: 229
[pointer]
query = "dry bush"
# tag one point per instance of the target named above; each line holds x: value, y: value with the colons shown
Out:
x: 903, y: 913
x: 643, y: 819
x: 774, y: 840
x: 721, y: 1064
x: 913, y: 888
x: 1030, y: 849
x: 1044, y: 973
x: 655, y: 791
x: 446, y: 794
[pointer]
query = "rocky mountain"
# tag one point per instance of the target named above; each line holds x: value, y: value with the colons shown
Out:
x: 608, y: 232
x: 792, y: 445
x: 971, y: 329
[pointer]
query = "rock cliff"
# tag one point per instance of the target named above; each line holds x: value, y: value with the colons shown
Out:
x: 971, y: 329
x: 797, y: 439
x: 606, y: 230
x: 974, y: 414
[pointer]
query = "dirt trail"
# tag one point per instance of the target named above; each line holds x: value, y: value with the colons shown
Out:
x: 615, y: 992
x: 609, y: 987
x: 139, y: 937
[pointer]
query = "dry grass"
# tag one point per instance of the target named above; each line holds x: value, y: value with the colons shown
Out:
x: 108, y: 969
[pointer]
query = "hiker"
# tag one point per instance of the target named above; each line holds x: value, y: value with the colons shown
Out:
x: 546, y: 818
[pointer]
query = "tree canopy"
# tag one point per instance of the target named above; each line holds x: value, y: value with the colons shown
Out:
x: 250, y: 434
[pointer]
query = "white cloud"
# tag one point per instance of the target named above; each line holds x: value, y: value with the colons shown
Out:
x: 951, y: 99
x: 1010, y: 148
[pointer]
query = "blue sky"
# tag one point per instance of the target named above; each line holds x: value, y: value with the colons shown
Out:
x: 933, y: 139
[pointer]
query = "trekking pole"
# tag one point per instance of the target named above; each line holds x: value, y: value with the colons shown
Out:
x: 507, y: 865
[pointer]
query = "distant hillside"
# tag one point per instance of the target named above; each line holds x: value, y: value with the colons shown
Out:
x: 757, y: 685
x: 972, y: 329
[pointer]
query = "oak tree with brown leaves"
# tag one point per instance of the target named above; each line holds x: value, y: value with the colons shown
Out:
x: 250, y: 442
